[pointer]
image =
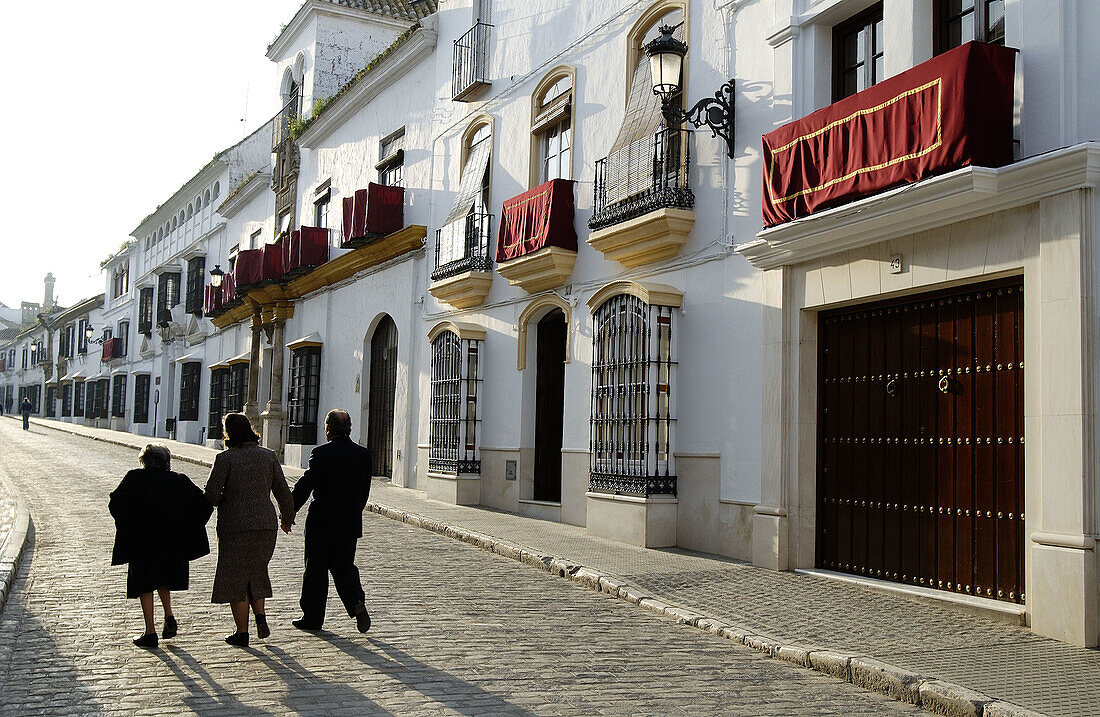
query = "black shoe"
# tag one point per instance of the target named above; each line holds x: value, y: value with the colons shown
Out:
x: 362, y: 618
x: 148, y: 640
x: 237, y: 639
x: 304, y: 624
x: 171, y: 627
x: 262, y: 630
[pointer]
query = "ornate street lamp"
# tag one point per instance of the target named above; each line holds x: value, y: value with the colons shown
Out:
x: 216, y: 276
x: 666, y: 59
x: 88, y: 332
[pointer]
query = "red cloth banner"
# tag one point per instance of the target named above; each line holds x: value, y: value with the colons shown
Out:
x: 952, y: 111
x: 375, y: 211
x: 112, y: 349
x: 273, y: 259
x: 538, y: 218
x: 212, y: 298
x: 229, y: 289
x: 249, y: 267
x: 307, y: 247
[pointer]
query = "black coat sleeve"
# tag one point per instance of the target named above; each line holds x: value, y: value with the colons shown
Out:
x: 305, y: 485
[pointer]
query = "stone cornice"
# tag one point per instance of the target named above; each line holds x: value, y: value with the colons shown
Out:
x: 950, y: 198
x: 245, y: 194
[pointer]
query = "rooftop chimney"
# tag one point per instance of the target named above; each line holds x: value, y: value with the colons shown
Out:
x: 47, y: 303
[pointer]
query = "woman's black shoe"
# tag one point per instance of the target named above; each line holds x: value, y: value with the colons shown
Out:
x: 262, y: 630
x: 171, y: 627
x: 148, y: 640
x: 237, y: 639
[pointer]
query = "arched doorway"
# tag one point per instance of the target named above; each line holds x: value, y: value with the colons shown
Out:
x: 549, y: 405
x: 382, y: 386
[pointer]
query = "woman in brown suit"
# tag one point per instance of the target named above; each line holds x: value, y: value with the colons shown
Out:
x: 243, y: 478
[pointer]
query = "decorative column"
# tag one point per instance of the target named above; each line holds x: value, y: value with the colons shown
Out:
x: 274, y: 417
x: 252, y: 404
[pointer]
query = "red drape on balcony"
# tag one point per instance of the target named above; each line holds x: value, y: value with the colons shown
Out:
x: 377, y: 210
x: 228, y: 289
x: 212, y: 297
x: 952, y: 111
x: 249, y: 267
x: 111, y: 349
x: 536, y: 219
x: 306, y: 247
x: 273, y: 259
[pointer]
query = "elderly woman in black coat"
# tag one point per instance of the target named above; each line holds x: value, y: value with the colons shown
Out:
x: 160, y: 518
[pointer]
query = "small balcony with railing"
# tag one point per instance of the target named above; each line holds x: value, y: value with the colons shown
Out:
x: 470, y: 68
x: 112, y: 349
x: 537, y: 242
x: 287, y: 115
x: 463, y: 264
x: 643, y: 205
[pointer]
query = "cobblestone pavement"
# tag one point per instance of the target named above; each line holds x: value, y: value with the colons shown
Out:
x: 457, y: 630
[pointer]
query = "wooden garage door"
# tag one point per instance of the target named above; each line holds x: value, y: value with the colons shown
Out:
x: 920, y: 441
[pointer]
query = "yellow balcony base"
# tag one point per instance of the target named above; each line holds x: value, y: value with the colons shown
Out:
x: 463, y: 291
x: 542, y: 270
x: 646, y: 239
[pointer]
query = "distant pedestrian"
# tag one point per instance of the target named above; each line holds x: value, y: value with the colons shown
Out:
x: 160, y: 519
x: 338, y: 476
x: 242, y: 481
x: 26, y: 409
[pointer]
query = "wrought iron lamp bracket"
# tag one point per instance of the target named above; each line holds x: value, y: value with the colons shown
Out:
x: 716, y: 112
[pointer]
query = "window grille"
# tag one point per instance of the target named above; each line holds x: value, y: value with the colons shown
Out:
x: 305, y: 389
x: 960, y: 21
x: 123, y: 337
x: 66, y: 400
x: 454, y: 418
x: 189, y: 391
x: 51, y: 402
x: 145, y: 311
x: 118, y: 401
x: 196, y: 268
x: 632, y: 375
x: 82, y: 337
x: 219, y: 401
x: 78, y: 398
x: 101, y: 393
x: 238, y: 388
x: 141, y: 397
x: 168, y: 295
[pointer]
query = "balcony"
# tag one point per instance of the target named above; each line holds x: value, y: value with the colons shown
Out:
x: 464, y: 268
x: 304, y: 249
x: 372, y: 213
x: 112, y: 349
x: 952, y: 111
x: 470, y: 69
x: 537, y: 246
x: 643, y: 207
x: 281, y: 132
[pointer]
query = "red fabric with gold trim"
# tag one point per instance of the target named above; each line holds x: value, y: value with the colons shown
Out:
x: 952, y: 111
x: 536, y: 219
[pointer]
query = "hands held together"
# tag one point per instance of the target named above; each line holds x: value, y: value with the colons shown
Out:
x: 285, y: 524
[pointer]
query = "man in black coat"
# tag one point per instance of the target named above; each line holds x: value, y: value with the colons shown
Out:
x: 338, y: 476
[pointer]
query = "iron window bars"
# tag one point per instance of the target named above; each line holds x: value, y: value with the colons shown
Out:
x: 51, y: 402
x: 476, y: 257
x: 219, y: 398
x: 628, y: 185
x: 304, y: 394
x: 196, y: 268
x: 78, y: 398
x: 453, y: 419
x: 238, y: 388
x: 168, y: 295
x: 189, y: 391
x: 145, y: 311
x: 141, y: 397
x: 470, y: 68
x: 66, y: 400
x: 118, y: 401
x: 289, y: 113
x: 632, y: 423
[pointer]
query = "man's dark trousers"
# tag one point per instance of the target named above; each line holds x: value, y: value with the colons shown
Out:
x: 338, y: 476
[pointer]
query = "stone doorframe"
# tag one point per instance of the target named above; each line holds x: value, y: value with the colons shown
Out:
x: 1033, y: 218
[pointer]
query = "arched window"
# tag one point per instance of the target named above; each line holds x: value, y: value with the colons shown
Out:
x: 182, y: 217
x: 206, y: 199
x: 552, y: 127
x: 173, y: 224
x: 217, y: 189
x: 632, y: 377
x: 462, y: 244
x: 453, y: 411
x: 190, y: 210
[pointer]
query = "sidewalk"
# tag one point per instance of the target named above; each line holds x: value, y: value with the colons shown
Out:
x: 935, y: 655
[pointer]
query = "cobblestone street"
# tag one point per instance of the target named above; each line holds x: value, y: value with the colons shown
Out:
x: 456, y: 630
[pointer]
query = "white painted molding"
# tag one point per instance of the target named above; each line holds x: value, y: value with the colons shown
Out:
x: 254, y: 186
x: 281, y: 43
x: 783, y: 33
x: 947, y: 199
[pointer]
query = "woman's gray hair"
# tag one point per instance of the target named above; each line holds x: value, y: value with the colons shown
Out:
x: 154, y: 456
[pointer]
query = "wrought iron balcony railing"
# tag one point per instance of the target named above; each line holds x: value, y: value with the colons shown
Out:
x: 470, y: 69
x: 477, y: 238
x: 640, y: 178
x: 287, y: 114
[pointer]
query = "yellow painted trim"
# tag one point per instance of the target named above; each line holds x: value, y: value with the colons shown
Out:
x: 529, y: 312
x: 534, y: 158
x: 651, y: 293
x: 461, y: 329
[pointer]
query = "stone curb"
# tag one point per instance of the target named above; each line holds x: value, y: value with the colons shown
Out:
x: 15, y: 543
x: 903, y: 685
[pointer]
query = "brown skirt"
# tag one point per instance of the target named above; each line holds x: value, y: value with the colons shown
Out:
x: 242, y: 566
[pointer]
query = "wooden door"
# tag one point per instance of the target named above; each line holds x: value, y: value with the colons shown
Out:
x: 549, y: 406
x: 383, y: 390
x: 920, y: 441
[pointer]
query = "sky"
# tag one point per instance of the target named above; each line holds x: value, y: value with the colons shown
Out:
x: 112, y: 106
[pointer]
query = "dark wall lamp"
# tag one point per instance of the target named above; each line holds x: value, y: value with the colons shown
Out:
x: 88, y: 332
x: 666, y: 59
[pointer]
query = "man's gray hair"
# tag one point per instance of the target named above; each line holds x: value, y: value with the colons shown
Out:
x: 155, y: 456
x: 338, y: 422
